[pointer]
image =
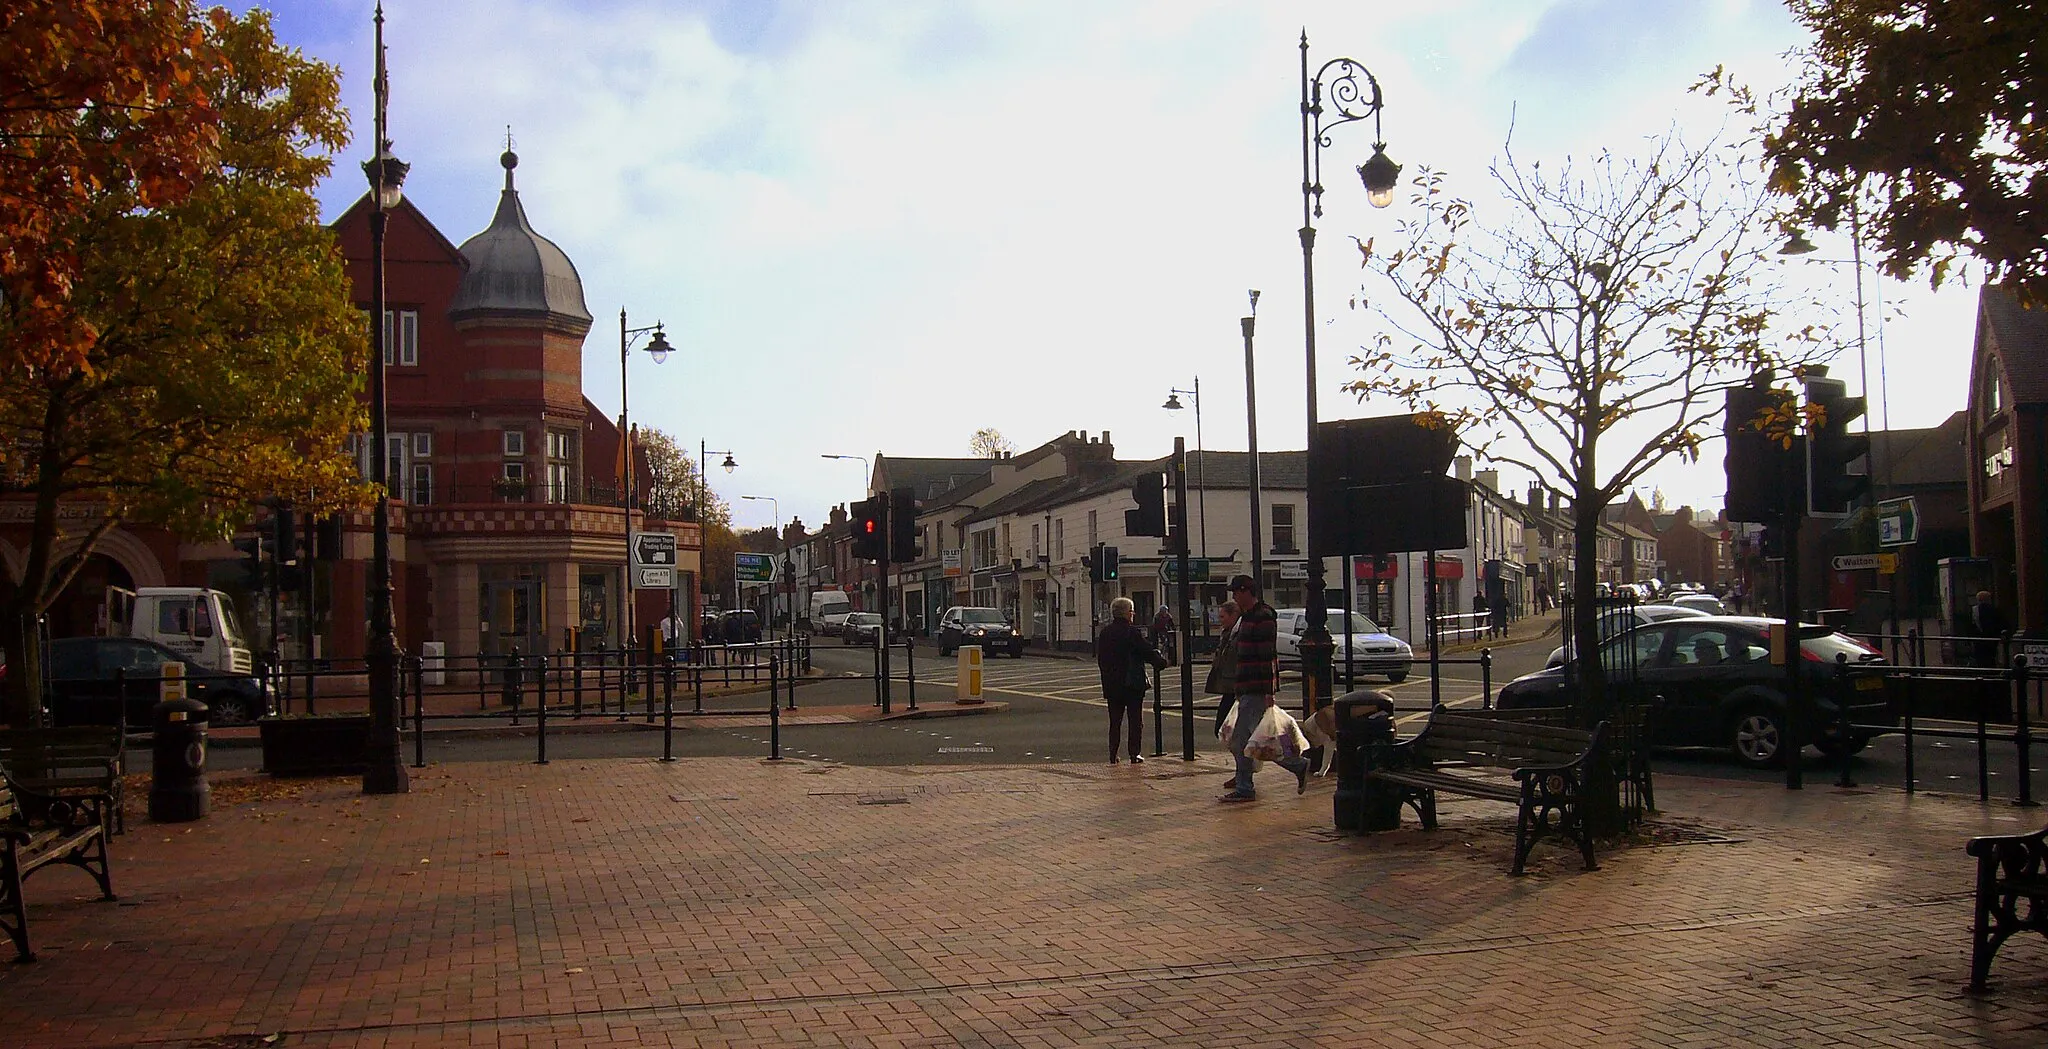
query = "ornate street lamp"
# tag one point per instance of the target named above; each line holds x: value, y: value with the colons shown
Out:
x: 383, y: 769
x: 1341, y: 92
x: 1201, y: 457
x: 658, y: 348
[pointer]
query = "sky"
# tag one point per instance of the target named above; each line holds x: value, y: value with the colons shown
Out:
x: 876, y: 226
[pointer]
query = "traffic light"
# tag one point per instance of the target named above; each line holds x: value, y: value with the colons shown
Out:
x: 327, y: 538
x: 1757, y: 460
x: 1832, y: 448
x: 284, y: 525
x: 251, y: 549
x: 1150, y: 517
x: 1107, y: 560
x: 1094, y: 565
x: 870, y: 540
x: 902, y: 526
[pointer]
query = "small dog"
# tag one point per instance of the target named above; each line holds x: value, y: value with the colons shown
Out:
x: 1321, y: 730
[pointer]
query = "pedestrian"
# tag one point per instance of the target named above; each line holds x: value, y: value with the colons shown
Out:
x: 1222, y: 680
x: 1162, y: 635
x: 1121, y: 655
x: 671, y: 632
x: 1479, y: 617
x: 1988, y: 623
x: 1258, y: 679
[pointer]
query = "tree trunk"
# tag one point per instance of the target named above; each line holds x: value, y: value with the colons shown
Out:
x: 1603, y: 810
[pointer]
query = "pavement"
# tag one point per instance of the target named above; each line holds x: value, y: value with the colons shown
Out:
x: 740, y: 902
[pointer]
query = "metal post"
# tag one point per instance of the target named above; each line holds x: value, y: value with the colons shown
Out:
x: 540, y: 720
x: 1158, y: 714
x: 1251, y: 427
x: 1486, y: 679
x: 1433, y: 631
x: 419, y: 713
x: 1983, y: 745
x: 774, y: 713
x: 1841, y: 690
x: 1180, y: 554
x: 383, y: 770
x: 668, y: 711
x: 2022, y: 732
x: 909, y: 667
x: 1795, y: 692
x: 1912, y: 689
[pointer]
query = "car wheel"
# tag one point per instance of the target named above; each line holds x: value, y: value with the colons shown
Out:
x: 1757, y: 736
x: 1396, y: 677
x: 227, y: 708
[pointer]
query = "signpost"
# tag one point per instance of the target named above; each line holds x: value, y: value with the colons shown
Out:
x: 654, y: 560
x: 1886, y: 564
x: 753, y: 568
x: 1898, y: 522
x: 1198, y: 570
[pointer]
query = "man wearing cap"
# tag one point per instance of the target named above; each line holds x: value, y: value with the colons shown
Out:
x: 1258, y: 680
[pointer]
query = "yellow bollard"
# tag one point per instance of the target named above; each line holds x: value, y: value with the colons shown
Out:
x: 967, y: 688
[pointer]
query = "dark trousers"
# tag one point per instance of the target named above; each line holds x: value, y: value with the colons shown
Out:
x: 1129, y: 706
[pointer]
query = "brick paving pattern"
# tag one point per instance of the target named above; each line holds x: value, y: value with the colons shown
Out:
x: 734, y: 902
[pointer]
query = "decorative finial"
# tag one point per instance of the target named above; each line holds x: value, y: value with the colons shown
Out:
x: 508, y: 159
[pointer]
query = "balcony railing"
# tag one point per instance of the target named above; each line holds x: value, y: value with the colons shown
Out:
x: 540, y: 492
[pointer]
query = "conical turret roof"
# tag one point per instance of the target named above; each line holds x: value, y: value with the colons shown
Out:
x: 515, y: 272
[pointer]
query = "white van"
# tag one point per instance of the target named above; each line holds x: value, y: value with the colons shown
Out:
x: 196, y: 622
x: 828, y: 611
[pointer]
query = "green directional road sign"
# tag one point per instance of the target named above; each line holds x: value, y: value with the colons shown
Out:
x: 753, y: 568
x: 1898, y: 522
x: 1198, y: 570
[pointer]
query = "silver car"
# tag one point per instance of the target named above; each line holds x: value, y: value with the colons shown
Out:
x: 1615, y: 621
x: 1371, y: 649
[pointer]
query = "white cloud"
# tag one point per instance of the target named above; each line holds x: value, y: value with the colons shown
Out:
x: 880, y: 225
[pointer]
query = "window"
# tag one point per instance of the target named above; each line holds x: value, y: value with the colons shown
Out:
x: 1991, y: 397
x: 558, y: 487
x: 1059, y: 544
x: 515, y: 442
x: 1283, y: 529
x: 515, y: 473
x: 982, y: 548
x: 395, y: 473
x: 401, y: 338
x: 1036, y: 550
x: 1069, y: 603
x: 423, y: 445
x: 422, y: 483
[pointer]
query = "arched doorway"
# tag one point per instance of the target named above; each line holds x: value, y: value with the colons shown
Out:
x: 80, y: 611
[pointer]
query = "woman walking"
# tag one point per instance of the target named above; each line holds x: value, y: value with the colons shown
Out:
x: 1121, y: 655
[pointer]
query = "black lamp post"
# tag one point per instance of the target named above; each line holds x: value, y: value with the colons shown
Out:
x: 704, y: 490
x: 1352, y: 94
x: 1201, y: 493
x: 384, y: 769
x: 657, y: 348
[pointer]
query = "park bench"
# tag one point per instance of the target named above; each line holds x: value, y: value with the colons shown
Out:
x: 2012, y: 869
x: 73, y: 760
x: 1462, y: 753
x: 37, y: 830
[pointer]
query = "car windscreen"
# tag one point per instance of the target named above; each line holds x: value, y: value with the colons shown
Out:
x: 982, y: 617
x: 864, y: 618
x: 1358, y: 625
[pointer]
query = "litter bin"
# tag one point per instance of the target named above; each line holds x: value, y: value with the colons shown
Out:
x: 1364, y: 719
x: 177, y: 786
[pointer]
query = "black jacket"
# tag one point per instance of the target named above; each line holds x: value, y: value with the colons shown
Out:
x: 1118, y: 649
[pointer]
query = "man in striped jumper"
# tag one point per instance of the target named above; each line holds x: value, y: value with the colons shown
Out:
x: 1258, y: 680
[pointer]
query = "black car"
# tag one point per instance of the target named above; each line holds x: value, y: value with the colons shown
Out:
x: 1713, y: 684
x: 861, y: 628
x: 986, y: 627
x: 740, y: 624
x: 109, y: 680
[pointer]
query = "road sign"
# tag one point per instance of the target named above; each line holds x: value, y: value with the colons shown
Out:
x: 2036, y: 655
x: 656, y: 579
x: 753, y: 568
x: 1885, y: 564
x: 1898, y: 522
x: 1198, y: 569
x: 654, y: 549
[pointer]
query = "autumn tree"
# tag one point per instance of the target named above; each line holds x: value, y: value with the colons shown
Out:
x: 1922, y: 121
x: 99, y: 99
x: 224, y: 356
x: 989, y: 443
x: 1587, y: 326
x: 674, y: 495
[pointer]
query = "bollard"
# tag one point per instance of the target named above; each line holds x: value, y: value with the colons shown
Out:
x: 1158, y: 716
x: 513, y: 684
x: 774, y: 715
x: 910, y: 669
x: 1842, y: 736
x: 1486, y: 679
x: 668, y: 710
x: 419, y: 714
x: 178, y: 792
x: 1906, y: 719
x: 1983, y: 745
x: 2022, y: 732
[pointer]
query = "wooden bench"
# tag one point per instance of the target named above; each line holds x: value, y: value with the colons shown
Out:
x: 37, y: 830
x: 74, y: 760
x: 2011, y: 869
x: 1456, y: 752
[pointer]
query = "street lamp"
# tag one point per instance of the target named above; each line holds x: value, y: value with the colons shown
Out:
x: 383, y: 769
x: 1248, y: 324
x: 658, y: 348
x: 1353, y: 95
x: 1797, y: 244
x: 784, y: 542
x: 866, y: 474
x: 1201, y: 491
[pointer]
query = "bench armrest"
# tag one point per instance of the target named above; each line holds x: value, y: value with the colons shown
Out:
x: 1991, y: 845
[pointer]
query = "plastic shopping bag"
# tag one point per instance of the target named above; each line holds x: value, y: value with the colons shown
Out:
x: 1277, y: 736
x: 1229, y: 722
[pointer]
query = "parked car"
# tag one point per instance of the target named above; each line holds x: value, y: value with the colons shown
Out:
x: 739, y: 624
x: 1716, y: 685
x: 860, y: 628
x: 114, y: 680
x: 1615, y: 620
x: 1707, y: 603
x: 987, y: 627
x: 1372, y: 650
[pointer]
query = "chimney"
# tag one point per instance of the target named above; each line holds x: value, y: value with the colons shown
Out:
x: 1535, y: 496
x: 1489, y: 479
x: 1462, y: 467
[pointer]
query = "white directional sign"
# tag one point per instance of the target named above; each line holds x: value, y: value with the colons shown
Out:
x: 654, y: 549
x: 656, y: 579
x: 1886, y: 564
